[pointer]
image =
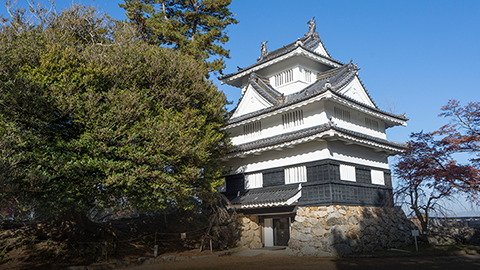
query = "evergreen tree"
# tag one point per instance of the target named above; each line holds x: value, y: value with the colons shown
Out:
x: 92, y: 116
x: 195, y: 27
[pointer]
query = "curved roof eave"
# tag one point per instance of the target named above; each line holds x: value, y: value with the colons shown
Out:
x: 283, y: 55
x: 309, y: 134
x: 340, y: 77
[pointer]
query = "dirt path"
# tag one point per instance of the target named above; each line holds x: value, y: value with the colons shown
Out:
x: 267, y: 262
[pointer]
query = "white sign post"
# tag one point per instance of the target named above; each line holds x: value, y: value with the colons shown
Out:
x: 415, y: 234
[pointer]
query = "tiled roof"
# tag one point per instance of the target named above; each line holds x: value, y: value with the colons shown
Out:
x: 333, y: 79
x: 312, y: 41
x: 285, y: 137
x: 267, y: 195
x: 308, y: 42
x: 368, y: 137
x: 263, y: 87
x: 398, y: 116
x: 303, y: 133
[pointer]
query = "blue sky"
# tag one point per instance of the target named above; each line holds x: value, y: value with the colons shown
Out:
x: 413, y: 55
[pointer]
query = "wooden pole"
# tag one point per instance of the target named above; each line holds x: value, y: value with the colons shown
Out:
x: 155, y: 246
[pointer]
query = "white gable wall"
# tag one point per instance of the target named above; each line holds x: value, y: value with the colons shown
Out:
x: 251, y: 102
x: 355, y: 91
x: 321, y: 50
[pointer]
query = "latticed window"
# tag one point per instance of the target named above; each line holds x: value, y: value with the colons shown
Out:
x: 347, y: 173
x: 308, y: 75
x: 378, y: 177
x: 341, y: 114
x: 252, y: 129
x: 273, y: 178
x: 295, y: 174
x: 370, y: 123
x: 253, y: 180
x: 284, y: 77
x: 292, y: 118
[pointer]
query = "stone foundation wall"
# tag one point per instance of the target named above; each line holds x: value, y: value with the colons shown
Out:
x: 250, y: 234
x: 451, y: 232
x: 341, y: 230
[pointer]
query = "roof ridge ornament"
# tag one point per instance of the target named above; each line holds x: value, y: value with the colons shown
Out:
x: 327, y: 85
x: 263, y: 49
x: 312, y: 27
x: 352, y: 66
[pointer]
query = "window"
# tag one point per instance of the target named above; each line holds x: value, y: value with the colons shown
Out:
x: 378, y: 177
x: 284, y: 77
x: 363, y: 175
x: 252, y: 129
x: 292, y: 119
x: 254, y: 180
x: 273, y: 178
x: 370, y: 123
x: 308, y: 75
x: 347, y: 173
x: 295, y: 174
x: 341, y: 114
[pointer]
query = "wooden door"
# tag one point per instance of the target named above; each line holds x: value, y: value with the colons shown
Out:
x: 281, y: 231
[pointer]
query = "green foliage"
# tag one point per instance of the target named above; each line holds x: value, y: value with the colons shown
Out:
x: 195, y: 27
x: 91, y: 116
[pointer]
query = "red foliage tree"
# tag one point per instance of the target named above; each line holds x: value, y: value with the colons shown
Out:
x: 429, y: 173
x: 462, y: 134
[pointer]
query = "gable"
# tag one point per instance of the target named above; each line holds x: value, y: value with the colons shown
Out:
x: 251, y: 101
x: 356, y: 91
x: 321, y: 50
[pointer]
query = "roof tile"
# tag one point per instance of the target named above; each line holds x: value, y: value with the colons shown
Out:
x: 275, y: 194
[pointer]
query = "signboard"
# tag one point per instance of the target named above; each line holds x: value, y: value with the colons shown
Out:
x: 415, y: 234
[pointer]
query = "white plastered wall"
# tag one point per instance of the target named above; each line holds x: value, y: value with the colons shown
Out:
x: 306, y: 152
x: 251, y: 101
x: 352, y: 153
x: 299, y: 82
x: 355, y: 90
x: 309, y: 152
x: 357, y: 121
x: 313, y: 115
x: 321, y: 50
